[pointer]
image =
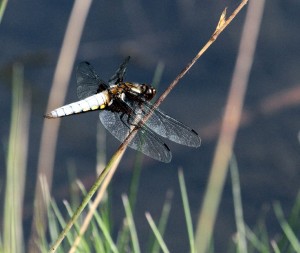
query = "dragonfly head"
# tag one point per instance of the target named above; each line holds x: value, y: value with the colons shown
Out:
x: 148, y: 91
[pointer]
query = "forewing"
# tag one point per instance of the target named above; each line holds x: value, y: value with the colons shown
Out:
x: 119, y: 75
x: 168, y: 127
x: 144, y: 141
x: 88, y: 82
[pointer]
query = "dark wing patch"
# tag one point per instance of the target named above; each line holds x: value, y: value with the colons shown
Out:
x: 88, y: 82
x: 119, y: 75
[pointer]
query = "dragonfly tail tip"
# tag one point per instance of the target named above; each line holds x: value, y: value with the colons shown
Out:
x: 48, y: 116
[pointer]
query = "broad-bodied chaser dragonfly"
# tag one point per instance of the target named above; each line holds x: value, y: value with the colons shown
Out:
x: 123, y: 105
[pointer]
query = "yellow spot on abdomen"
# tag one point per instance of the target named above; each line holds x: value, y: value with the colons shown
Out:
x: 95, y: 107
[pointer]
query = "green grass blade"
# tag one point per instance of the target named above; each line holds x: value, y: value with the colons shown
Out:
x: 263, y: 234
x: 294, y: 217
x: 1, y: 243
x: 105, y: 228
x: 53, y: 226
x: 134, y: 184
x: 238, y: 209
x: 294, y: 222
x: 187, y: 211
x: 286, y: 227
x: 255, y: 242
x: 97, y: 239
x: 3, y: 5
x: 154, y: 245
x: 106, y: 233
x: 16, y: 165
x: 60, y: 219
x: 123, y: 237
x: 132, y: 229
x: 157, y: 233
x: 275, y: 246
x: 83, y: 245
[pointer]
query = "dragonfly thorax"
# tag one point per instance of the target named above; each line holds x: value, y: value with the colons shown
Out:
x: 143, y: 91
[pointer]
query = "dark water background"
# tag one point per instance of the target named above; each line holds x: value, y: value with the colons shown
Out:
x: 266, y: 148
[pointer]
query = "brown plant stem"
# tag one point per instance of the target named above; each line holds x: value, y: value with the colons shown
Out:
x: 223, y: 23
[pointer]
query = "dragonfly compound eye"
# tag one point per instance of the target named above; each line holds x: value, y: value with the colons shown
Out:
x: 148, y: 91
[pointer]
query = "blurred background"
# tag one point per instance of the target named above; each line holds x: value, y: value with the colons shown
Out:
x: 168, y: 33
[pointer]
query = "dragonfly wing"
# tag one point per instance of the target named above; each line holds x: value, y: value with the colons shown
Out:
x: 119, y: 75
x: 170, y: 128
x: 88, y: 82
x: 145, y: 140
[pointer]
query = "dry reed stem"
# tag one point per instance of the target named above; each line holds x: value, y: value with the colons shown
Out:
x: 230, y: 126
x: 57, y: 96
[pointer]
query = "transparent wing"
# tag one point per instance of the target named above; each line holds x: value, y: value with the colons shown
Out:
x: 166, y: 126
x: 119, y: 75
x: 144, y: 141
x: 88, y: 82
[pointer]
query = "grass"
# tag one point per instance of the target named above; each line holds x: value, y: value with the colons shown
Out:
x: 98, y: 237
x: 16, y: 165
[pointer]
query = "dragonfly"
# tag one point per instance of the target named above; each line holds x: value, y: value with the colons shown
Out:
x: 123, y: 105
